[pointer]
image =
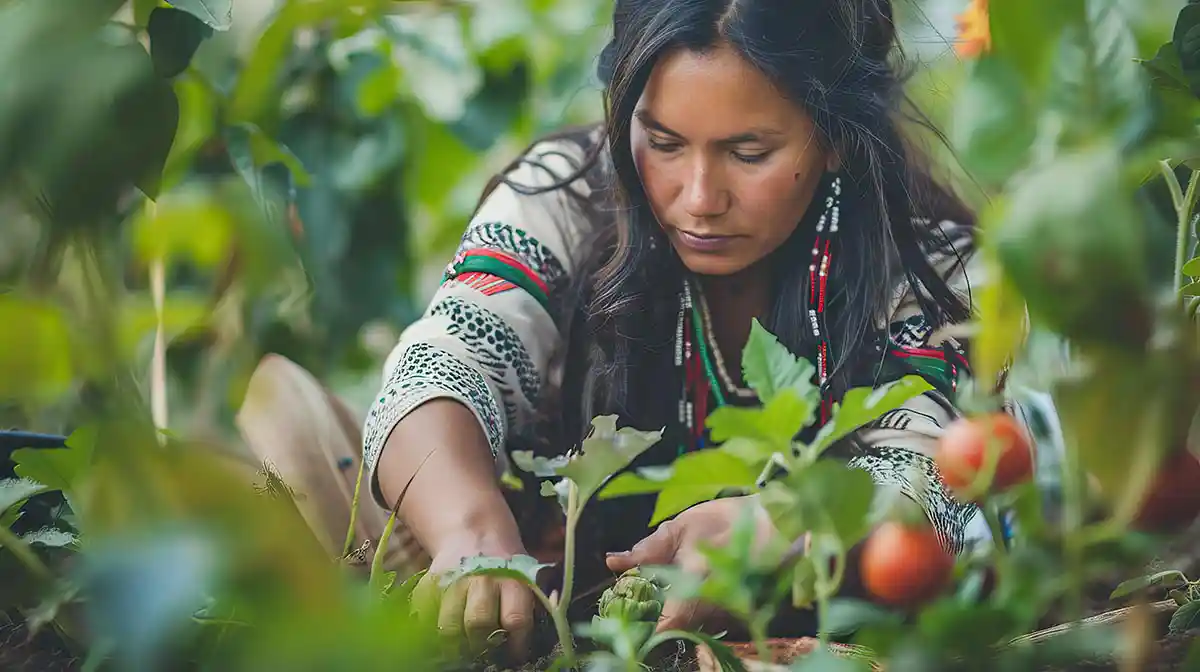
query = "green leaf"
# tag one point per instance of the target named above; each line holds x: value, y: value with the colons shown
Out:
x: 14, y: 491
x: 605, y: 452
x: 404, y: 591
x: 777, y: 422
x: 993, y: 123
x: 174, y: 38
x: 862, y: 405
x: 35, y: 360
x: 822, y: 659
x: 251, y: 150
x: 769, y: 368
x: 1192, y: 268
x: 1142, y: 582
x: 1184, y: 618
x: 1165, y: 70
x: 542, y: 467
x: 1025, y: 32
x: 58, y: 468
x: 847, y: 615
x: 51, y: 537
x: 694, y: 477
x: 142, y: 10
x: 1191, y: 289
x: 826, y: 497
x: 1098, y: 84
x: 1186, y: 39
x: 522, y: 568
x: 1071, y: 239
x: 142, y: 591
x: 216, y: 13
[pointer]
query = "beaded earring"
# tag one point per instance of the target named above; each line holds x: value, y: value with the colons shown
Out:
x: 818, y: 277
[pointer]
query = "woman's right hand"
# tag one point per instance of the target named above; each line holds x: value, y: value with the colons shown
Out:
x: 475, y: 608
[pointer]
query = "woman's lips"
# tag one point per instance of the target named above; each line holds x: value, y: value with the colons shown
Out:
x: 705, y: 242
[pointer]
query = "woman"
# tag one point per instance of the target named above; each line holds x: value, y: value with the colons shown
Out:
x: 751, y: 165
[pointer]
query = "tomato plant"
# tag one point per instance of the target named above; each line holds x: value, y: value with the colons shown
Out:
x: 905, y: 565
x: 991, y: 452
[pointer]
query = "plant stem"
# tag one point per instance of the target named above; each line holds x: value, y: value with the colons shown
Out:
x: 559, y: 612
x: 24, y: 554
x: 992, y: 516
x: 354, y: 511
x: 573, y: 508
x: 380, y: 550
x: 1184, y: 204
x: 561, y: 626
x: 758, y: 633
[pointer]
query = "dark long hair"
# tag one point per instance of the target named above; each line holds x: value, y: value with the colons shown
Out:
x: 840, y: 61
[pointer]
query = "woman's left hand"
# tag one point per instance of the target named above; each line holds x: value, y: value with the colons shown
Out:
x: 675, y: 543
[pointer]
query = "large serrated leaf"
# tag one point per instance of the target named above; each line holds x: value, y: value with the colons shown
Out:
x: 769, y: 367
x: 863, y: 405
x: 693, y: 478
x: 522, y: 568
x: 607, y: 451
x: 13, y: 491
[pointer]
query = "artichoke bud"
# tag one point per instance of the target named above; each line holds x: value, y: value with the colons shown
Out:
x: 632, y: 598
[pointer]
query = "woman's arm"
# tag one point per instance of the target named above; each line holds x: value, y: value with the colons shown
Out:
x: 466, y: 378
x: 438, y: 466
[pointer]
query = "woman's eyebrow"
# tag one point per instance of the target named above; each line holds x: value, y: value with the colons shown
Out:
x: 750, y: 135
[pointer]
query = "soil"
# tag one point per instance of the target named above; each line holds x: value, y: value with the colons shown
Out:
x: 45, y: 652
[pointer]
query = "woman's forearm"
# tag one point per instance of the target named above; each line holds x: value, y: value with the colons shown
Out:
x: 438, y: 464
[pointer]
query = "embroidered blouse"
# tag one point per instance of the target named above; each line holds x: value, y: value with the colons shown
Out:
x: 489, y: 332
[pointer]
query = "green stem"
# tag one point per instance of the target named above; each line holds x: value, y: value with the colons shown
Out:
x: 377, y: 559
x: 758, y: 633
x: 559, y: 612
x: 1183, y: 234
x: 24, y: 554
x: 561, y: 626
x: 569, y: 545
x: 992, y: 516
x: 354, y: 510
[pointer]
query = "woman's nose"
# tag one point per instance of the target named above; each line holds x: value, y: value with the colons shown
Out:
x: 705, y: 195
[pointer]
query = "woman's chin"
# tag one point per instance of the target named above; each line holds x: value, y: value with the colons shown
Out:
x: 713, y: 265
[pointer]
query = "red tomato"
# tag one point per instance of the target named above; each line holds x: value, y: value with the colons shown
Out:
x: 963, y: 452
x: 1173, y: 499
x: 904, y: 565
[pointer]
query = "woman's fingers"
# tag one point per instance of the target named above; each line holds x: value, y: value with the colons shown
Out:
x: 481, y: 612
x: 450, y: 615
x: 516, y: 617
x: 657, y: 549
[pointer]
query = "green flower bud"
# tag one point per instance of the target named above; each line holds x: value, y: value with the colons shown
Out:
x: 632, y: 598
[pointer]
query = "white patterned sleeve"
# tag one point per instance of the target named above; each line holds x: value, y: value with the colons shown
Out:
x: 490, y: 330
x: 899, y: 449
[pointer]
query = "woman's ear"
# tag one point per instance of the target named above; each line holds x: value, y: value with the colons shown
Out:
x: 833, y: 160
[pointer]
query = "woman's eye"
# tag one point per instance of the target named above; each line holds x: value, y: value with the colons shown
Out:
x: 661, y: 146
x: 757, y: 157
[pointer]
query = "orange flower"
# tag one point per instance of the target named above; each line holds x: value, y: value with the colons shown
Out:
x: 974, y: 32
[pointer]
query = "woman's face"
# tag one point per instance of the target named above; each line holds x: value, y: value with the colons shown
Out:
x: 729, y: 165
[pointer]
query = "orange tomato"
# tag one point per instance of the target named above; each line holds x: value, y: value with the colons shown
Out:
x: 904, y: 565
x: 963, y: 452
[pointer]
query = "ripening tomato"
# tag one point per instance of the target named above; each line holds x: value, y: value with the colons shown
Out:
x: 904, y: 565
x: 1173, y: 499
x: 963, y: 452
